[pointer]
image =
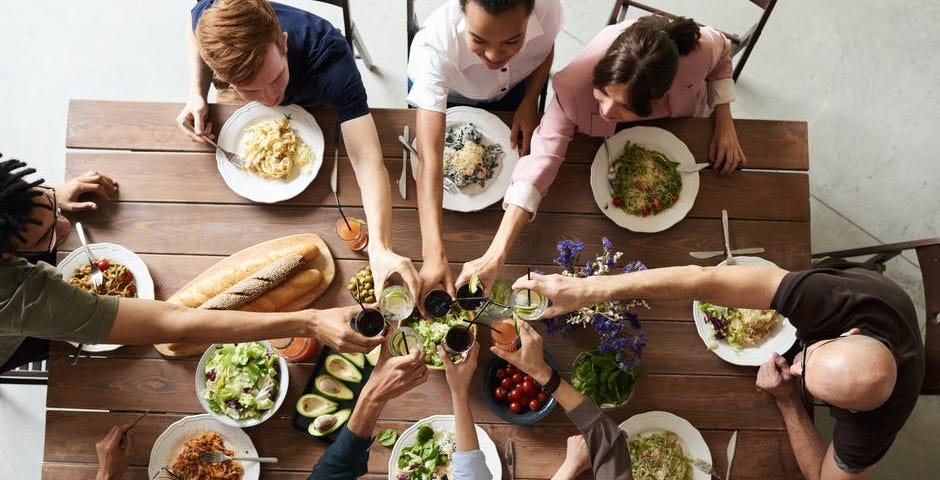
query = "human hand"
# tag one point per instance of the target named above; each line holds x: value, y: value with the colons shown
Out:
x: 577, y: 459
x: 459, y: 375
x: 194, y: 113
x: 774, y: 378
x: 113, y: 457
x: 566, y: 293
x: 89, y: 182
x: 394, y: 376
x: 385, y: 262
x: 487, y: 270
x: 435, y: 271
x: 529, y: 357
x: 331, y: 327
x: 524, y: 122
x: 725, y: 151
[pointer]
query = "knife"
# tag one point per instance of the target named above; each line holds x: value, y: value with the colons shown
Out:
x: 686, y: 168
x: 403, y: 180
x: 335, y: 160
x: 510, y: 460
x: 718, y: 253
x: 731, y: 446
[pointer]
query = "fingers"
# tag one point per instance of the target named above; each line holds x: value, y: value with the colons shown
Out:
x: 514, y: 135
x: 465, y: 273
x: 96, y: 177
x: 413, y: 281
x: 448, y: 281
x: 526, y: 141
x: 448, y: 363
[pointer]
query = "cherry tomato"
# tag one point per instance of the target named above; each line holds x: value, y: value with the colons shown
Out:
x: 534, y: 405
x: 500, y: 393
x: 675, y: 198
x: 515, y: 407
x: 506, y: 383
x: 132, y: 289
x: 517, y: 378
x: 657, y: 205
x: 542, y: 397
x: 500, y: 373
x: 646, y: 211
x: 102, y: 264
x: 618, y: 201
x: 514, y: 394
x: 527, y: 386
x: 529, y: 378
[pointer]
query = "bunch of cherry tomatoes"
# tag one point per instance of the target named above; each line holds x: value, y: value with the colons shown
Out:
x: 519, y: 390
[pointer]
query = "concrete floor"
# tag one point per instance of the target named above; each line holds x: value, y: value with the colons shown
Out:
x: 861, y: 72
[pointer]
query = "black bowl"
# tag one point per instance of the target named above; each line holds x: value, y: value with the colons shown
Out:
x: 501, y: 408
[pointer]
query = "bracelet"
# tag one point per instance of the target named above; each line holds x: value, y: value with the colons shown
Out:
x: 552, y: 384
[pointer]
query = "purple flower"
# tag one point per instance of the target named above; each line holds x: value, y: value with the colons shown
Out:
x: 608, y: 245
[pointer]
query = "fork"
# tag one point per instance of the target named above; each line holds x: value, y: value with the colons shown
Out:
x: 97, y: 279
x: 216, y: 457
x: 729, y: 260
x: 232, y: 157
x: 449, y: 184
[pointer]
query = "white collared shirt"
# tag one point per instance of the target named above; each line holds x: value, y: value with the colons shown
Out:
x: 441, y: 65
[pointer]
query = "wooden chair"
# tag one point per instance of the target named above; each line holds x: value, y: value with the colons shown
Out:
x: 352, y: 33
x: 928, y: 254
x: 743, y: 43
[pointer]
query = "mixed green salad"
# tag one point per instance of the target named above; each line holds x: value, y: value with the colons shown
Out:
x: 241, y: 380
x: 658, y: 456
x: 428, y: 458
x: 598, y: 377
x: 740, y: 327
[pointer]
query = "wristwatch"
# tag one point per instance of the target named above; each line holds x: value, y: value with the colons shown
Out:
x: 552, y: 384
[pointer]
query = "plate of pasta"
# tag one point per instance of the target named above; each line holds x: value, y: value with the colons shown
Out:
x: 477, y: 159
x: 743, y: 336
x: 282, y: 148
x: 125, y: 275
x: 178, y: 447
x: 640, y: 188
x: 665, y: 445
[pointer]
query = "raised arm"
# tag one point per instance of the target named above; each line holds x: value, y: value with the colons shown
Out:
x: 365, y: 154
x: 468, y: 461
x: 200, y: 75
x: 430, y: 126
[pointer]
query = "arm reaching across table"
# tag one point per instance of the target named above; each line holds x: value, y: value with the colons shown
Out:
x: 468, y: 460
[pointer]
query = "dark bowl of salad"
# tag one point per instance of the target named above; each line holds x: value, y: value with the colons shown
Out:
x: 241, y: 384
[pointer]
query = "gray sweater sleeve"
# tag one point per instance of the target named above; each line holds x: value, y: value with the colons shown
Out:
x: 607, y: 443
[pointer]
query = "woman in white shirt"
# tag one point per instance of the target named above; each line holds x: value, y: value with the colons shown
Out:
x: 490, y: 54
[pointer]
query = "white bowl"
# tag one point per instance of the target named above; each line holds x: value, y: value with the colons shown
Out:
x: 282, y: 384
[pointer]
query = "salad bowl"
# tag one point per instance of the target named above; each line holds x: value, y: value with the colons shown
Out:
x: 226, y: 373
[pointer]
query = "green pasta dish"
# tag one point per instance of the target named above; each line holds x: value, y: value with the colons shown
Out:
x: 659, y: 456
x: 644, y: 181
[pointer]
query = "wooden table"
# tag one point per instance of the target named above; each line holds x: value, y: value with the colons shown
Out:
x: 176, y: 212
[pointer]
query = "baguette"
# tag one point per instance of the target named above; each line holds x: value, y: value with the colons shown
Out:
x: 256, y: 285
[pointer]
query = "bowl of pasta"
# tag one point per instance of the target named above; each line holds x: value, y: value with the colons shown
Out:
x: 282, y: 148
x: 178, y: 448
x: 125, y: 275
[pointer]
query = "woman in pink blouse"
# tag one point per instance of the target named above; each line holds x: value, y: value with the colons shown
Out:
x: 636, y: 70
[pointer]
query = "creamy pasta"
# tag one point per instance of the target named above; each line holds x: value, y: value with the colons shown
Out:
x: 273, y: 149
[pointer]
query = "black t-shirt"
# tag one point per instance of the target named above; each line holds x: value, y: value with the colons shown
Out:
x: 322, y: 67
x: 824, y: 304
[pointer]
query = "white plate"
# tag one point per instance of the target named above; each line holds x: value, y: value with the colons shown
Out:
x: 779, y: 342
x: 233, y: 136
x: 282, y: 383
x: 170, y: 443
x: 690, y: 438
x: 656, y: 139
x: 474, y: 197
x: 444, y: 423
x: 115, y: 254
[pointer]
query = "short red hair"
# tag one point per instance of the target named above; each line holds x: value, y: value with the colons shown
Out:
x: 233, y: 38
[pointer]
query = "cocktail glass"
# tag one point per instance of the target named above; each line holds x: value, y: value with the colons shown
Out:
x: 396, y: 302
x: 353, y: 232
x: 528, y: 304
x: 369, y: 322
x: 505, y: 332
x: 404, y: 340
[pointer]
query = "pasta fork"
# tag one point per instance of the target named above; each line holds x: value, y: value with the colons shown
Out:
x: 217, y: 457
x: 232, y: 157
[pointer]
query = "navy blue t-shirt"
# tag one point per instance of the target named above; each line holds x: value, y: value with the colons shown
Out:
x: 322, y: 66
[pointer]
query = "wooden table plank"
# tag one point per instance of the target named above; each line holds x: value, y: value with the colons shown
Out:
x: 193, y: 178
x: 74, y: 434
x: 148, y: 126
x: 225, y: 229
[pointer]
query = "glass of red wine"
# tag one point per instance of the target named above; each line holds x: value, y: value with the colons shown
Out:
x: 369, y: 322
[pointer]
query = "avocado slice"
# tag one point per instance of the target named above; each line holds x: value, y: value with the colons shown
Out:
x: 373, y: 356
x: 332, y: 388
x: 341, y: 368
x: 313, y: 405
x: 358, y: 359
x: 328, y: 423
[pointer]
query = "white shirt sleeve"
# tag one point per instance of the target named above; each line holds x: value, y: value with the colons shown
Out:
x: 720, y: 91
x: 470, y: 466
x: 523, y: 195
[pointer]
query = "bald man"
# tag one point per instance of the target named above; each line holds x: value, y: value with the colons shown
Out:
x: 862, y: 351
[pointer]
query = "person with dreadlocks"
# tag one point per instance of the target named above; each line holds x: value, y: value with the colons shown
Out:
x: 37, y: 305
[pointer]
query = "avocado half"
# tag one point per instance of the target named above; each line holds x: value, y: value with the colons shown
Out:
x: 332, y: 388
x: 373, y: 356
x: 341, y: 368
x: 328, y: 423
x: 358, y: 359
x: 312, y: 405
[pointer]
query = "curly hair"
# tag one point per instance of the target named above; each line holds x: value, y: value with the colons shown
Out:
x: 496, y: 7
x: 17, y: 200
x: 645, y: 58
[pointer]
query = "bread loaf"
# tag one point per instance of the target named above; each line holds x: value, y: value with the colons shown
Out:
x: 256, y: 284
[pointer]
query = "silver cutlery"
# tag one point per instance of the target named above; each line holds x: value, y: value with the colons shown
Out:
x: 97, y: 279
x: 403, y: 179
x: 718, y: 253
x: 611, y: 171
x: 686, y: 168
x: 724, y: 225
x: 449, y: 184
x: 232, y: 157
x: 132, y: 425
x: 510, y: 460
x: 705, y: 467
x: 335, y: 173
x: 732, y: 444
x: 216, y: 457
